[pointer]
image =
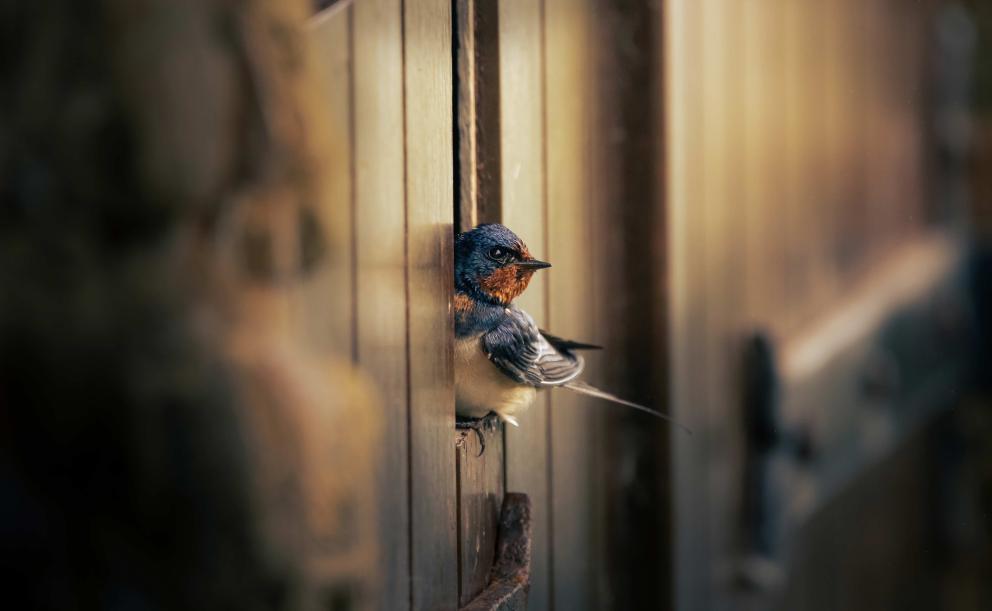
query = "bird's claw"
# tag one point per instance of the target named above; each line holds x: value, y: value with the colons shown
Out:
x: 489, y: 422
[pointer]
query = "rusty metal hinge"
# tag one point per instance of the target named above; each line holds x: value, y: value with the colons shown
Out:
x: 509, y: 582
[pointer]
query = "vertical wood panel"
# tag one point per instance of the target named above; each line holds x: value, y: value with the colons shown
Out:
x: 566, y: 70
x: 480, y: 497
x: 716, y: 261
x: 685, y: 36
x: 627, y: 270
x: 429, y: 196
x: 480, y: 478
x: 523, y: 189
x: 381, y: 282
x: 587, y: 251
x: 478, y: 172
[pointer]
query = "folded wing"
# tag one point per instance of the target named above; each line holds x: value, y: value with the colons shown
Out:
x: 531, y: 356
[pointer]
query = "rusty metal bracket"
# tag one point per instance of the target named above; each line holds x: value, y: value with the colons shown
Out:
x: 509, y: 582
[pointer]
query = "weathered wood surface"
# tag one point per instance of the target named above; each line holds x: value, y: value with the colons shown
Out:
x: 480, y: 476
x: 524, y: 209
x: 429, y: 218
x: 385, y: 58
x: 477, y: 40
x: 480, y: 497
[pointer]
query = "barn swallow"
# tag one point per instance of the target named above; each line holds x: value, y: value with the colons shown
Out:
x: 502, y: 358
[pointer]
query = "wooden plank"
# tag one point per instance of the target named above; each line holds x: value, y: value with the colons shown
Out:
x: 685, y: 42
x: 429, y: 217
x: 626, y: 269
x: 324, y: 304
x: 524, y: 209
x: 478, y: 171
x: 480, y: 496
x: 717, y: 279
x: 381, y: 283
x: 573, y: 581
x: 480, y: 478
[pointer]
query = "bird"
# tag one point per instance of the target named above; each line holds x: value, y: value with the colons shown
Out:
x: 502, y: 359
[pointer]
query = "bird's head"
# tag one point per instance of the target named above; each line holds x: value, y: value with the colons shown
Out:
x: 492, y: 264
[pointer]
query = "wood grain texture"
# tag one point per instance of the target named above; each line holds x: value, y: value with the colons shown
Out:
x: 574, y: 552
x: 478, y: 108
x: 381, y: 264
x: 429, y: 197
x: 523, y: 211
x: 480, y: 496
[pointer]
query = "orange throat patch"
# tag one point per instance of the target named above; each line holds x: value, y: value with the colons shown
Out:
x: 506, y: 283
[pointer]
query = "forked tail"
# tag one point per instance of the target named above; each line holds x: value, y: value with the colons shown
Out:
x: 585, y: 389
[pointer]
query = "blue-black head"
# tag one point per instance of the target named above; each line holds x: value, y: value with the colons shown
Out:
x: 492, y: 264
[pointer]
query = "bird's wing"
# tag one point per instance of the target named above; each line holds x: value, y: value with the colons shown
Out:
x: 561, y: 343
x: 520, y: 350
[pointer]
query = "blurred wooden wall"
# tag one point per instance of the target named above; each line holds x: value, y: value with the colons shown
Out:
x: 796, y: 135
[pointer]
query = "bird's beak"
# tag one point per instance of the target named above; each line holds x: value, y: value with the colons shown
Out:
x: 533, y: 264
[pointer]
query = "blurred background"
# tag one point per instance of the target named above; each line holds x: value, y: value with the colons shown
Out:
x: 226, y: 376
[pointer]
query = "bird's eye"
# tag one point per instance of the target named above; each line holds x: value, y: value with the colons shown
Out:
x: 497, y: 254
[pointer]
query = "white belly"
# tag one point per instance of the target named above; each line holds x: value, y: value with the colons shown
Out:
x: 480, y: 387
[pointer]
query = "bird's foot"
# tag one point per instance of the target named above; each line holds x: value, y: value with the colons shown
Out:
x: 486, y: 424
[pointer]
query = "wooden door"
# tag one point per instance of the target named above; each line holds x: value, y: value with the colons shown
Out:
x: 806, y: 268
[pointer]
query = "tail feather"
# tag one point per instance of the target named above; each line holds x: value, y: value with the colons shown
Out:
x: 585, y: 389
